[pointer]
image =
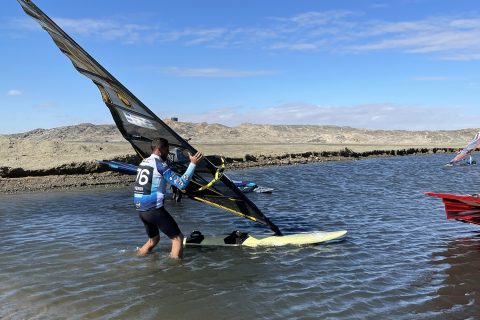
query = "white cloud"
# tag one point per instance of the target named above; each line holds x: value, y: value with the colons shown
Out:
x: 380, y: 5
x: 318, y: 18
x: 430, y: 78
x: 444, y: 37
x: 103, y: 29
x: 215, y: 72
x: 23, y: 24
x: 14, y: 92
x: 108, y: 29
x: 374, y: 116
x: 295, y: 46
x: 448, y: 37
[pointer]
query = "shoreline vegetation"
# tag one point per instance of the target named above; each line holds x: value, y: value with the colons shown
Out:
x: 66, y: 157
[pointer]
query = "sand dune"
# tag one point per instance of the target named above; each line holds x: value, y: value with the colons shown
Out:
x: 65, y: 157
x: 48, y: 148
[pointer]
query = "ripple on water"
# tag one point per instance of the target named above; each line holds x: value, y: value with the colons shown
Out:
x: 72, y: 254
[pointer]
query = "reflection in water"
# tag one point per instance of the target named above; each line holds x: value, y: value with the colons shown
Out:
x: 458, y: 293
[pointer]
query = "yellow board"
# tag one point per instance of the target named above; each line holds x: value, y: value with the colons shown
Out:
x: 298, y: 239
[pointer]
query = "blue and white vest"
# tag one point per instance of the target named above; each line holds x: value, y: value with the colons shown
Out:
x: 151, y: 182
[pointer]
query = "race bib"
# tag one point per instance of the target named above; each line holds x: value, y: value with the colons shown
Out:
x: 143, y: 182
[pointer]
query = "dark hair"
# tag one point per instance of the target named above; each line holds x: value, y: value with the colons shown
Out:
x: 159, y: 143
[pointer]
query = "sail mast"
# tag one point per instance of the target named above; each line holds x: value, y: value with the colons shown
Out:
x: 139, y: 125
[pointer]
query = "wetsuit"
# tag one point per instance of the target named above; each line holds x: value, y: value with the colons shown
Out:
x: 149, y: 194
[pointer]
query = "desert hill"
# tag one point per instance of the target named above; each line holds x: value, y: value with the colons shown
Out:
x: 204, y: 133
x: 45, y: 148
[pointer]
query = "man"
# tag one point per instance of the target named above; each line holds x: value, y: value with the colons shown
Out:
x: 149, y: 194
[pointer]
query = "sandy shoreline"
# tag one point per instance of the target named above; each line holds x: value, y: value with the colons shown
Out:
x: 91, y: 174
x: 66, y: 157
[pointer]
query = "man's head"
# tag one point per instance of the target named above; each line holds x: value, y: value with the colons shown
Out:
x: 160, y: 147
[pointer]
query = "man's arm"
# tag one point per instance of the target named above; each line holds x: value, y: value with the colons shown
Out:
x: 180, y: 182
x: 171, y: 177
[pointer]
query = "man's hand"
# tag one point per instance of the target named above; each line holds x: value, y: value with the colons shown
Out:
x: 196, y: 158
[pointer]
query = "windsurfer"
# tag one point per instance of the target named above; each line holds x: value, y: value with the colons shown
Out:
x: 138, y: 124
x: 471, y: 161
x: 467, y: 151
x: 149, y: 193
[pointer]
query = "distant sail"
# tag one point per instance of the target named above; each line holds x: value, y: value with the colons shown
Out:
x: 139, y: 125
x: 471, y: 146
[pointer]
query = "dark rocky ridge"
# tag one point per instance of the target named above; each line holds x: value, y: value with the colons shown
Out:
x: 92, y: 167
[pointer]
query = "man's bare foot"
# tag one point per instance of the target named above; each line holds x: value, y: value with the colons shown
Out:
x: 142, y: 251
x: 148, y: 246
x: 175, y: 257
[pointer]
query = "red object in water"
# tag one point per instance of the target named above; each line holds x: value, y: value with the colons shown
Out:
x: 462, y: 207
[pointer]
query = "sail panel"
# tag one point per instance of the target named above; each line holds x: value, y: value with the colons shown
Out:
x: 139, y: 125
x: 470, y: 147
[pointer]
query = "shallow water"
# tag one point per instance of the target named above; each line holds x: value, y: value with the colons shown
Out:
x: 71, y: 255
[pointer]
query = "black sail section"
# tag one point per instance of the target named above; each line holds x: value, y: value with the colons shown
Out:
x: 139, y: 125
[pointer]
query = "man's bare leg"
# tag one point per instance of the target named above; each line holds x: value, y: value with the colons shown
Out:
x: 177, y: 247
x: 148, y: 246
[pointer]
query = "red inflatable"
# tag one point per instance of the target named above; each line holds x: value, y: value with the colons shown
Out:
x: 461, y: 207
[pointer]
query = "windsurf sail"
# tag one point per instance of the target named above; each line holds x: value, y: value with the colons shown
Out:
x: 465, y: 208
x: 471, y: 146
x: 139, y: 125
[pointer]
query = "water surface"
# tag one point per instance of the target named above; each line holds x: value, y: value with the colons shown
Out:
x: 71, y: 255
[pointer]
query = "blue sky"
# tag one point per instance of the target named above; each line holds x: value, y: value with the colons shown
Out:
x: 405, y: 64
